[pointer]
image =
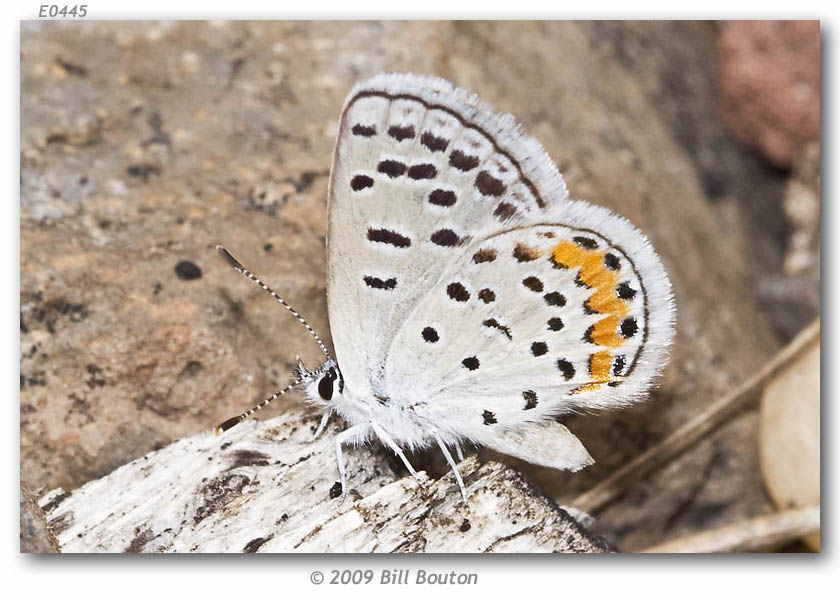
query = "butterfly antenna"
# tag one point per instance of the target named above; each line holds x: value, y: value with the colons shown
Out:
x: 239, y: 418
x: 237, y: 266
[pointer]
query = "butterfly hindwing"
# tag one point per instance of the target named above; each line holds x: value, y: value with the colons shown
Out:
x: 534, y: 322
x: 547, y: 443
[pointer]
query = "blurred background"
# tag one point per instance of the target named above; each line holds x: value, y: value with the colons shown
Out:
x: 144, y: 144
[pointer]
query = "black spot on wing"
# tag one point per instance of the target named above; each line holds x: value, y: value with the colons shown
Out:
x: 585, y: 242
x: 445, y: 237
x: 360, y: 182
x: 611, y: 262
x: 489, y: 185
x: 386, y: 236
x: 494, y: 324
x: 363, y: 130
x: 555, y: 324
x: 624, y: 291
x: 401, y: 133
x: 471, y: 363
x: 487, y: 295
x: 539, y: 348
x: 422, y: 171
x: 629, y: 327
x: 484, y: 255
x: 530, y: 397
x: 391, y: 168
x: 433, y: 142
x: 618, y: 364
x: 430, y: 335
x: 380, y: 284
x: 525, y: 253
x: 555, y: 299
x: 489, y: 418
x: 533, y: 283
x: 457, y: 292
x: 463, y: 162
x: 566, y: 368
x: 504, y: 211
x: 442, y: 197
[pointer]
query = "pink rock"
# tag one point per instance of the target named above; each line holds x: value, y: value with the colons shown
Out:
x: 770, y: 85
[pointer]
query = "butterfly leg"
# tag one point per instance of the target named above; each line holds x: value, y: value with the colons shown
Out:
x: 324, y: 420
x: 452, y: 465
x: 357, y: 431
x: 388, y: 441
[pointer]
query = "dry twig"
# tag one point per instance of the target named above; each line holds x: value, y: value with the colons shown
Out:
x: 696, y: 429
x: 753, y: 535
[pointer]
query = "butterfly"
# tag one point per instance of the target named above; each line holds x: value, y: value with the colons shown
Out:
x: 470, y: 299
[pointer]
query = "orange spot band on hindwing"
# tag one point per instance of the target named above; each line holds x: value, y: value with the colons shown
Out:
x: 600, y: 364
x: 604, y: 300
x: 603, y: 333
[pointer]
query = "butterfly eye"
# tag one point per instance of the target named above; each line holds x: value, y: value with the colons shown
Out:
x: 325, y: 386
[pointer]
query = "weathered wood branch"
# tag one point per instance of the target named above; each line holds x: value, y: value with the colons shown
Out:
x: 718, y: 413
x: 266, y: 486
x: 754, y: 535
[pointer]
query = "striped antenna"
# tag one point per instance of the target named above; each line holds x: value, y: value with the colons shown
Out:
x: 239, y: 418
x: 237, y: 266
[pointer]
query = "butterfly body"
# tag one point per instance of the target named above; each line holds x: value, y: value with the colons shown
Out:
x: 470, y: 299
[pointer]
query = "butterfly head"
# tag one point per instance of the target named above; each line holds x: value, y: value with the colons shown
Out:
x: 323, y: 385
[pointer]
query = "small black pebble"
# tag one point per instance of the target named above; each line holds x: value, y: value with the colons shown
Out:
x: 268, y: 247
x: 335, y: 490
x: 465, y: 526
x: 187, y: 270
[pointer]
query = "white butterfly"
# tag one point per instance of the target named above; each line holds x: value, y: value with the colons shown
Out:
x: 470, y: 300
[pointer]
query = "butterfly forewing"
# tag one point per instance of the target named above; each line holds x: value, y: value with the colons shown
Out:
x: 418, y: 174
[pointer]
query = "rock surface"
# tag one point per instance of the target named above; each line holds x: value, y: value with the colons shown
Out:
x: 145, y: 144
x: 794, y: 293
x: 770, y: 85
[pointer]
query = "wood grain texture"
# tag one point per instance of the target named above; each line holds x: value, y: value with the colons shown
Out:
x: 266, y: 487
